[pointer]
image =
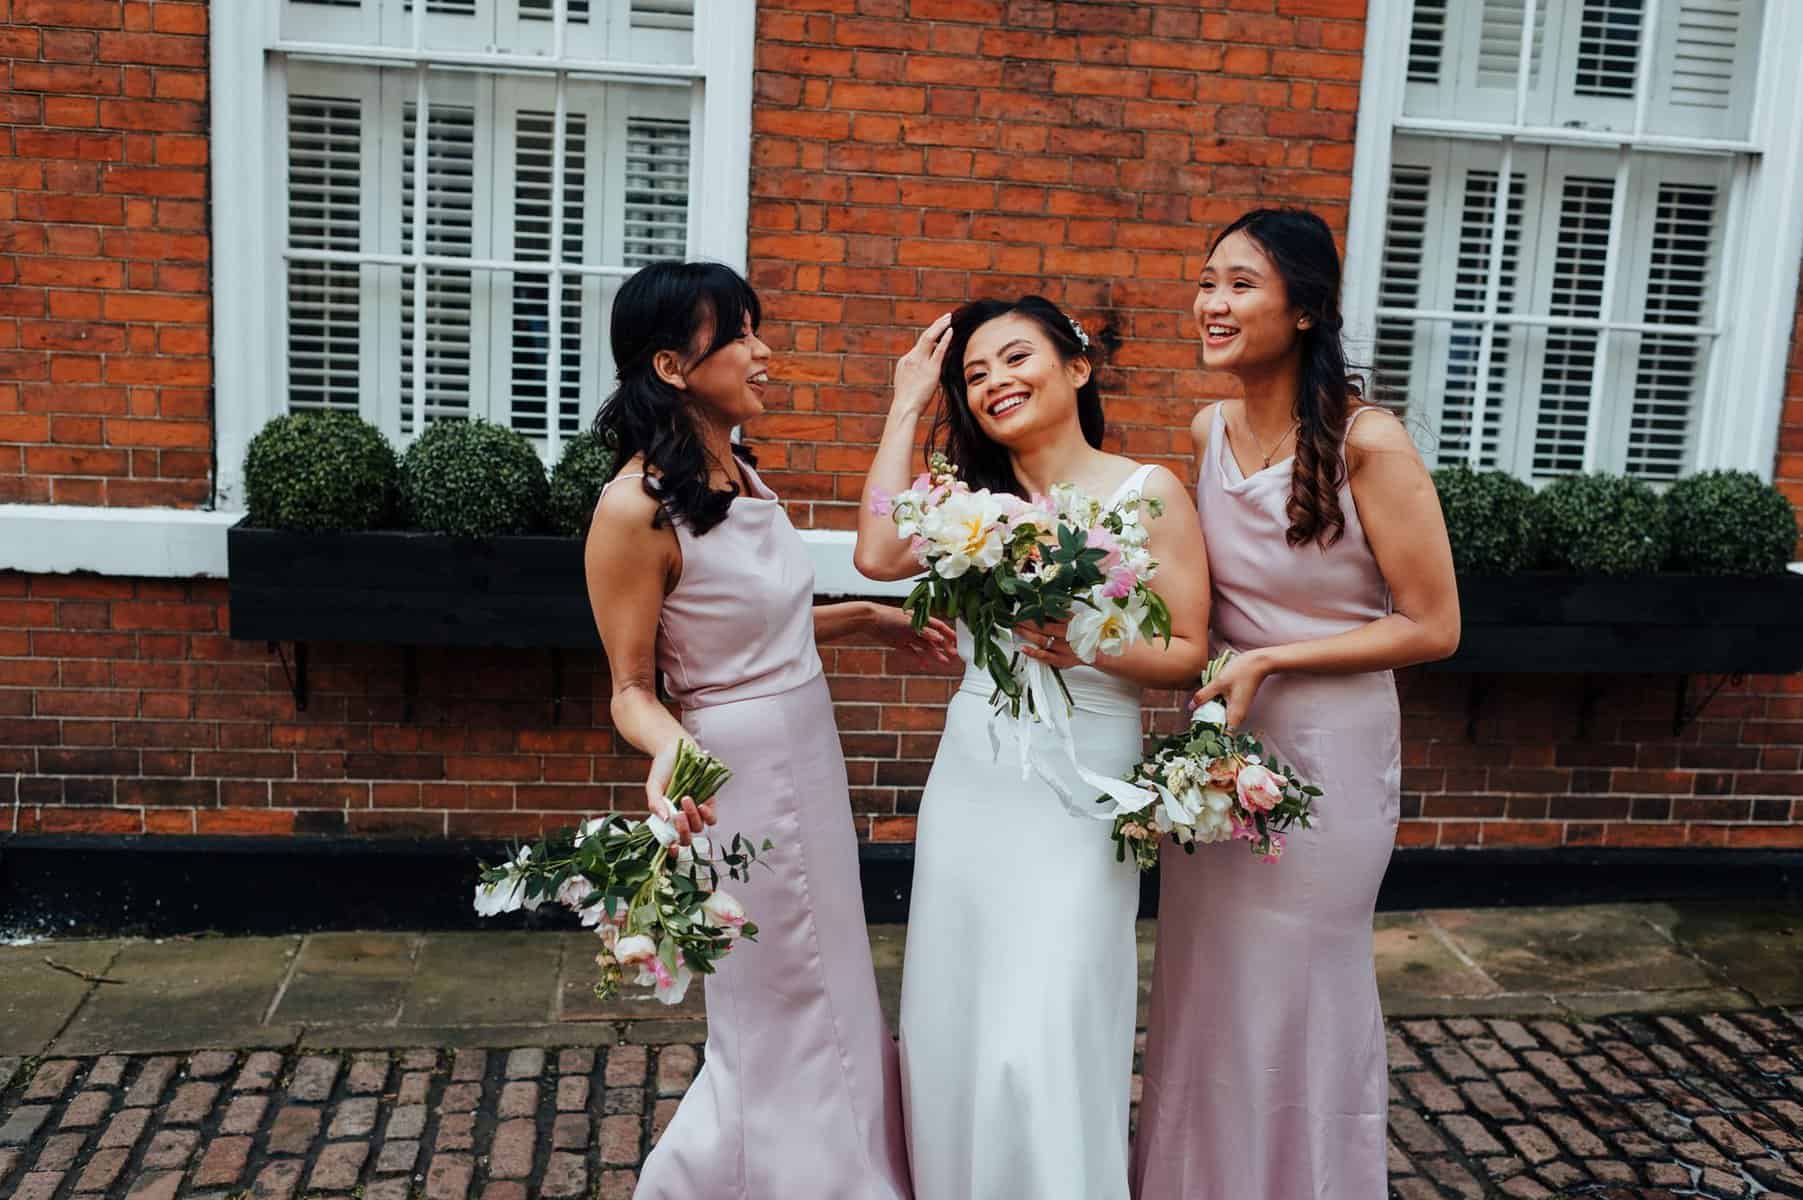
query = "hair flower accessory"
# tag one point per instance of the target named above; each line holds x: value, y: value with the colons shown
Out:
x: 1077, y: 329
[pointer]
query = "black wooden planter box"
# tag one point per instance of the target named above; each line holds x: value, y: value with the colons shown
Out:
x: 1610, y: 624
x: 408, y: 589
x: 426, y: 589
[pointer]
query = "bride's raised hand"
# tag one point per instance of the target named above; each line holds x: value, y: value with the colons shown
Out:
x: 917, y: 371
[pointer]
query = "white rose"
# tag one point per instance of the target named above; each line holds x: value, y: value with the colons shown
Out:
x: 1212, y: 713
x: 725, y: 913
x: 635, y: 950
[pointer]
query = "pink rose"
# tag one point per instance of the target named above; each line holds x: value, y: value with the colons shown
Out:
x: 1121, y: 582
x: 1260, y: 790
x: 1101, y: 539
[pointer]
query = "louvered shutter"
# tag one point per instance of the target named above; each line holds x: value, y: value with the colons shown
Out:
x: 450, y: 231
x: 1576, y: 210
x: 1394, y: 356
x: 1462, y: 395
x: 655, y: 206
x: 325, y: 212
x: 1707, y: 60
x: 523, y: 316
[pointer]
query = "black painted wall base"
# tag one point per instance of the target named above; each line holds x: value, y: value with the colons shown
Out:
x: 87, y: 886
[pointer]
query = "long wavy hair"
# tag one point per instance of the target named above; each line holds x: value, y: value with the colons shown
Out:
x: 668, y: 306
x: 1300, y: 245
x: 982, y: 461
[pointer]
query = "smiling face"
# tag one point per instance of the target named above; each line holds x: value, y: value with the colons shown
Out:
x: 1243, y: 310
x: 729, y: 384
x: 1015, y: 383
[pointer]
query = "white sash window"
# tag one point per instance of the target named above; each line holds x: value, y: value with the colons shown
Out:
x: 424, y: 214
x: 1621, y: 308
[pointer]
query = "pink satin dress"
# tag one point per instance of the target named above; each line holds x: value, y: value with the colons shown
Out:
x: 1265, y: 1074
x: 799, y: 1095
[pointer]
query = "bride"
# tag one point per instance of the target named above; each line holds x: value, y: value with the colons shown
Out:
x: 1018, y: 987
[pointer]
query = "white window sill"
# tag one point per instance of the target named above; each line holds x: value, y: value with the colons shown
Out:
x: 180, y: 543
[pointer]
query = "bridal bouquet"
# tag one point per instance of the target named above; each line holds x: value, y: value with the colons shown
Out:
x: 657, y: 906
x: 996, y: 561
x: 1212, y: 784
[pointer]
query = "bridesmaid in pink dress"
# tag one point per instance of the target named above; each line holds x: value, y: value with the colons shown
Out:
x: 695, y: 571
x: 1265, y: 1076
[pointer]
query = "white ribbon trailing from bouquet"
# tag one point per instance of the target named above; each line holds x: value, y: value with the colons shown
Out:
x: 1043, y: 702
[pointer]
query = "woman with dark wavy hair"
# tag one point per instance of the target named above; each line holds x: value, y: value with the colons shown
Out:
x: 695, y: 572
x: 1018, y: 991
x: 1328, y: 560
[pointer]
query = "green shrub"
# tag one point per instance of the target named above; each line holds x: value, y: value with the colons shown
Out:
x: 576, y: 484
x: 1730, y: 523
x: 1489, y: 520
x: 1601, y: 524
x: 318, y: 471
x: 473, y: 479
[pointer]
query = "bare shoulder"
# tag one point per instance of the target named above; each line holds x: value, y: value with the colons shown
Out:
x: 1377, y: 430
x: 626, y: 511
x: 1202, y: 423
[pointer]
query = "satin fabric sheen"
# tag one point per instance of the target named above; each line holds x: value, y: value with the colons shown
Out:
x: 799, y: 1095
x: 1018, y: 987
x: 1265, y: 1073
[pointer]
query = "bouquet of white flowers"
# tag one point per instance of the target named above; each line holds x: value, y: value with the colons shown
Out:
x: 996, y: 561
x: 657, y: 906
x: 1211, y: 784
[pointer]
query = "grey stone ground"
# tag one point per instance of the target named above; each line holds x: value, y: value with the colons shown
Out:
x: 1613, y: 1051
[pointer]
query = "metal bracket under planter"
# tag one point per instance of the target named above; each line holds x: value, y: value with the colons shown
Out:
x: 409, y: 590
x: 1591, y: 625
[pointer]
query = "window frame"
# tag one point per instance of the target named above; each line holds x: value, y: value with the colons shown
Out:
x: 1743, y: 389
x: 248, y: 62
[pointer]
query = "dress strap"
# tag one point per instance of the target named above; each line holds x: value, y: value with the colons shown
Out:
x: 618, y: 478
x: 1358, y: 412
x: 1135, y: 482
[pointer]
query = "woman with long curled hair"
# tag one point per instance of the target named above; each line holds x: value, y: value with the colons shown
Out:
x: 1327, y: 555
x: 1018, y: 989
x: 694, y: 570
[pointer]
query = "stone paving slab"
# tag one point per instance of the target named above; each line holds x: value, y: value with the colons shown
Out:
x: 37, y: 998
x: 1624, y: 1108
x: 181, y: 993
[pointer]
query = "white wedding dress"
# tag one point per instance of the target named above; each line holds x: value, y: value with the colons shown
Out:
x: 1018, y: 986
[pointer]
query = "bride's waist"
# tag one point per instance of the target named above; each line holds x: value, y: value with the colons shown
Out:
x: 1091, y: 690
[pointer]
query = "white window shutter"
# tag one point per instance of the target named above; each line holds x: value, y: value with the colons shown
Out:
x: 450, y: 232
x: 1499, y: 42
x: 1707, y: 62
x: 1608, y: 49
x: 1394, y: 355
x: 1427, y: 41
x: 1580, y: 247
x: 1464, y: 348
x: 1668, y: 372
x: 656, y: 183
x: 576, y: 11
x: 325, y: 212
x: 662, y: 14
x: 529, y: 315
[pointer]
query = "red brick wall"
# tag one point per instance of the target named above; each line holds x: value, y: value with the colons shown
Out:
x: 909, y: 154
x: 104, y: 335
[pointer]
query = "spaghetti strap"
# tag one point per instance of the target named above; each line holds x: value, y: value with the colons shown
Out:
x: 1134, y: 483
x: 618, y: 478
x: 1358, y: 412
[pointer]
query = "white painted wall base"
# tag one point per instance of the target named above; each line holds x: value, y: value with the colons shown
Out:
x: 180, y: 543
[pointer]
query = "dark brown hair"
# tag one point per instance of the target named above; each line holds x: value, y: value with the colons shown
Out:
x: 1300, y: 245
x: 983, y: 462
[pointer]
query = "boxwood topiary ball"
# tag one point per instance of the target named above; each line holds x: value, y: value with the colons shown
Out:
x: 1730, y: 523
x: 1602, y: 525
x: 576, y: 483
x: 1489, y: 520
x: 320, y: 471
x: 473, y: 479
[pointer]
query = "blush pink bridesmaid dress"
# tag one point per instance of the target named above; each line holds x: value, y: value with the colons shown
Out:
x: 799, y: 1095
x: 1265, y: 1074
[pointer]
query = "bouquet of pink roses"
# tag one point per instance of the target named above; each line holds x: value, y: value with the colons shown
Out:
x: 995, y: 561
x: 1211, y: 784
x: 658, y: 907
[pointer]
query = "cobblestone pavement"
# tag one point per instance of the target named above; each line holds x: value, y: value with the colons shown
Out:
x: 1643, y: 1107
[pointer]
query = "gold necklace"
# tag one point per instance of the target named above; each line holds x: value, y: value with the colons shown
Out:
x: 1281, y: 439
